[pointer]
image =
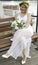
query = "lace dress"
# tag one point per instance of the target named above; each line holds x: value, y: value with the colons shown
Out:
x: 21, y: 39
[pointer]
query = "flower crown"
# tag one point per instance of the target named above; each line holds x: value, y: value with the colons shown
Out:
x: 26, y: 3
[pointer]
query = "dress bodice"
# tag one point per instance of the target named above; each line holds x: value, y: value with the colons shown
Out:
x: 24, y: 18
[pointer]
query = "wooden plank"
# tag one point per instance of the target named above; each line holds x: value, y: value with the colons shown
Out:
x: 7, y: 35
x: 10, y: 7
x: 5, y: 29
x: 35, y: 36
x: 4, y: 49
x: 5, y: 45
x: 4, y: 25
x: 6, y: 19
x: 5, y: 41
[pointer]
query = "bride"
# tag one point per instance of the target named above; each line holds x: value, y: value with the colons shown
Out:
x: 21, y: 41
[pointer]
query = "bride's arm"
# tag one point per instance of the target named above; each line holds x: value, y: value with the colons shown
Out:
x: 29, y: 20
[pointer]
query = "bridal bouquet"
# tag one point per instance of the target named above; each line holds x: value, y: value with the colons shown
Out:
x: 17, y: 24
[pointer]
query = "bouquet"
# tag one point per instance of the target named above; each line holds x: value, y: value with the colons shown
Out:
x: 17, y: 24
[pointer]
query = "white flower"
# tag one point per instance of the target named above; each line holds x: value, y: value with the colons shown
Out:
x: 19, y: 21
x: 13, y: 23
x: 16, y: 27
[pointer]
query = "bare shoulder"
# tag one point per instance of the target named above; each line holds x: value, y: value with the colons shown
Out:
x: 29, y: 14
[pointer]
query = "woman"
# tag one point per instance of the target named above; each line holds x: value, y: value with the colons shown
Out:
x: 21, y: 41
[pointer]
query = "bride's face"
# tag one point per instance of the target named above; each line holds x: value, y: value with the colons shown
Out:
x: 23, y: 8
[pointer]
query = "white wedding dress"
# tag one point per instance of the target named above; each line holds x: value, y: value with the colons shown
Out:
x: 21, y: 39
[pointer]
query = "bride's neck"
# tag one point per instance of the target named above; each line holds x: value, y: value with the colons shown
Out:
x: 22, y: 14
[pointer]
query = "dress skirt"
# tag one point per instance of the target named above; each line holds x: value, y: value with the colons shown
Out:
x: 21, y: 40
